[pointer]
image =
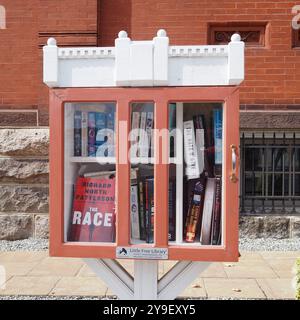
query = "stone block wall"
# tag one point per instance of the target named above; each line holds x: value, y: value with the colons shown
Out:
x: 24, y: 178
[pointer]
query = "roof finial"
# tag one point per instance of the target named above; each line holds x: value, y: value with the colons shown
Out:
x: 161, y: 33
x: 51, y: 42
x: 235, y: 37
x: 122, y: 34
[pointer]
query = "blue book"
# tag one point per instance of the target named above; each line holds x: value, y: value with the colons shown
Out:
x: 101, y: 134
x: 77, y: 133
x: 91, y: 134
x: 218, y: 135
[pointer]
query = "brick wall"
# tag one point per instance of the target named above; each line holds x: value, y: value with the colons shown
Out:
x: 272, y: 73
x: 24, y: 136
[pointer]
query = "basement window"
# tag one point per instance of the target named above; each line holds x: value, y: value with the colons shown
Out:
x: 270, y: 172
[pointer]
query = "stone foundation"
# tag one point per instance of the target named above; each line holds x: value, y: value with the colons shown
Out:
x: 270, y: 226
x: 24, y: 178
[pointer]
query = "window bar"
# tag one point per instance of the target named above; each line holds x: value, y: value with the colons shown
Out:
x: 267, y: 153
x: 290, y: 170
x: 273, y: 175
x: 263, y: 173
x: 294, y: 168
x: 253, y: 177
x: 243, y: 173
x: 283, y: 168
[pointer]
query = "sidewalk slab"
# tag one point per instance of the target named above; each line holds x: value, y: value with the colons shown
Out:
x: 280, y: 254
x: 57, y: 267
x: 195, y: 290
x: 233, y: 288
x: 23, y: 256
x: 20, y: 285
x: 19, y: 268
x: 250, y: 272
x: 79, y: 286
x: 282, y: 267
x: 277, y: 288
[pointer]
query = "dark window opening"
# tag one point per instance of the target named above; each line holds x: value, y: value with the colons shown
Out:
x: 270, y: 173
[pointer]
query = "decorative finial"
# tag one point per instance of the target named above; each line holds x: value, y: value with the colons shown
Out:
x: 122, y: 34
x: 51, y: 42
x: 161, y: 33
x: 235, y: 37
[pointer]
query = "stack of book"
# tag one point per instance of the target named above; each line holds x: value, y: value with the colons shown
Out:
x: 94, y: 134
x: 202, y: 200
x: 141, y: 135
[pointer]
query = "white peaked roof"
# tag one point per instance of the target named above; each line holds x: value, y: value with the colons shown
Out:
x: 144, y: 63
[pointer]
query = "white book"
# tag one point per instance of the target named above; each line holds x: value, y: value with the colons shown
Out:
x: 190, y: 151
x: 134, y: 206
x: 135, y: 124
x: 143, y: 143
x: 149, y: 127
x: 84, y: 134
x: 200, y: 146
x: 205, y: 235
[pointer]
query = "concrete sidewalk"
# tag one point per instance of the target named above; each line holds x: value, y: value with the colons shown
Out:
x: 258, y: 275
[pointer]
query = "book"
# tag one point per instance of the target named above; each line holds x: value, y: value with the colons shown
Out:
x: 110, y: 125
x: 218, y: 136
x: 149, y: 201
x: 216, y: 220
x: 134, y: 207
x: 172, y: 210
x: 194, y: 216
x: 142, y: 214
x: 84, y: 134
x: 149, y: 131
x: 91, y: 134
x: 101, y: 134
x: 143, y: 143
x: 205, y: 235
x: 134, y: 135
x: 172, y: 126
x: 190, y: 152
x: 77, y: 134
x: 93, y: 213
x: 200, y: 141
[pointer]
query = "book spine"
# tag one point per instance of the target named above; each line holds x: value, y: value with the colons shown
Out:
x: 216, y: 227
x: 194, y: 212
x: 149, y: 131
x: 135, y: 123
x: 101, y: 134
x: 205, y: 237
x: 172, y: 126
x: 218, y: 136
x: 134, y: 212
x: 200, y: 145
x: 77, y: 134
x: 84, y: 134
x: 110, y: 123
x: 91, y: 134
x: 190, y: 151
x: 149, y: 211
x: 142, y: 210
x: 143, y: 143
x: 172, y: 211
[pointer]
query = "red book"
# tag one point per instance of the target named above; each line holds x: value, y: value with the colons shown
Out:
x: 93, y: 214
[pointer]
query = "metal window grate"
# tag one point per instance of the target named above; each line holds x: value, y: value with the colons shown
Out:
x: 270, y: 172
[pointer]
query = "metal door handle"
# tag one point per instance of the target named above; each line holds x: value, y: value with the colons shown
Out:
x: 233, y: 176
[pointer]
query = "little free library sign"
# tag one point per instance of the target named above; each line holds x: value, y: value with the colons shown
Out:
x: 144, y: 158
